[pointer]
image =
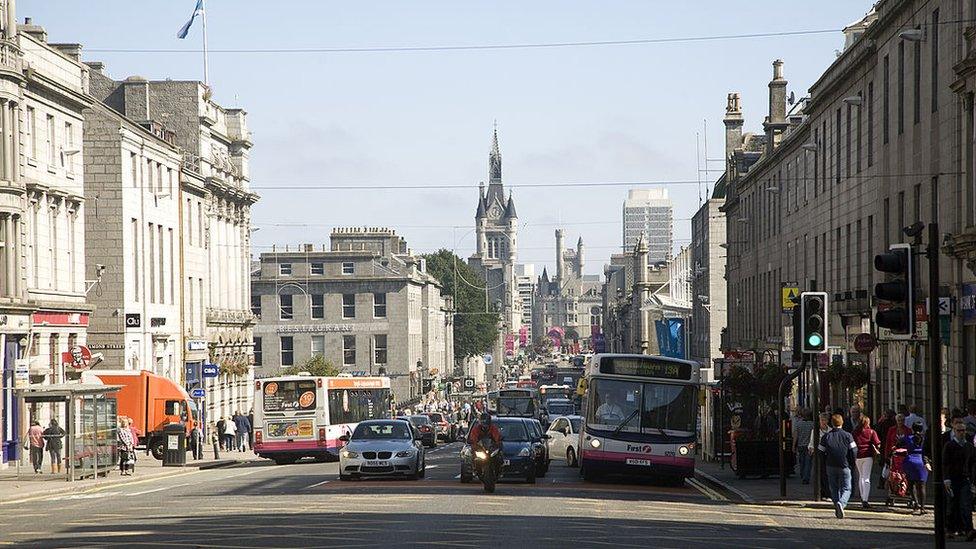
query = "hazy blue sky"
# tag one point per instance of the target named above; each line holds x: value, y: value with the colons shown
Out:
x: 565, y: 115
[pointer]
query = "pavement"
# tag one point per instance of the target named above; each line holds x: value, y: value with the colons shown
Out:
x: 19, y: 485
x: 259, y: 504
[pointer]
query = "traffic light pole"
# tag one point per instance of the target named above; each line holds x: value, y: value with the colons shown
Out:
x: 935, y: 383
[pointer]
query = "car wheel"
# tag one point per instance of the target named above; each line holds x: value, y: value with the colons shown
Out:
x: 530, y: 478
x: 571, y: 458
x: 421, y: 471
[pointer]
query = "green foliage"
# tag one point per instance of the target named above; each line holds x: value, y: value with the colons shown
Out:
x: 317, y: 366
x: 475, y: 328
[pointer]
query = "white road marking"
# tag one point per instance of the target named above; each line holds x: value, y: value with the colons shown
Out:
x: 430, y: 467
x: 159, y: 489
x: 457, y: 476
x: 317, y: 484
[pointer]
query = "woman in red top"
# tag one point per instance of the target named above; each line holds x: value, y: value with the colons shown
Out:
x: 894, y: 434
x: 868, y: 446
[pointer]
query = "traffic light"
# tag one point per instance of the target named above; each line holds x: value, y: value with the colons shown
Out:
x: 898, y: 292
x: 427, y: 385
x: 813, y: 322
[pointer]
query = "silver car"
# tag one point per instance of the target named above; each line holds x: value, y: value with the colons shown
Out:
x: 383, y: 448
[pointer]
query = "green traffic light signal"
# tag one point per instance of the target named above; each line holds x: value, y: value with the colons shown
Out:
x: 814, y: 340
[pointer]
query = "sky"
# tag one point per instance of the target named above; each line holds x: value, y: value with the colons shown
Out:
x: 638, y: 113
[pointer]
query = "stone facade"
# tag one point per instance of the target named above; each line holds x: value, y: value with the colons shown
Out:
x: 43, y: 91
x: 883, y: 140
x: 570, y: 302
x: 210, y: 210
x: 366, y: 305
x: 708, y: 291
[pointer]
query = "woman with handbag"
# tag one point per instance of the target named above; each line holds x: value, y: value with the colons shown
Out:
x: 916, y: 464
x: 868, y: 447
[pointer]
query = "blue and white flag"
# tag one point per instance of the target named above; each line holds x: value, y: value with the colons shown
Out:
x: 186, y: 28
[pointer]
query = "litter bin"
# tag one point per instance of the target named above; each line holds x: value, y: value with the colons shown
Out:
x: 174, y: 445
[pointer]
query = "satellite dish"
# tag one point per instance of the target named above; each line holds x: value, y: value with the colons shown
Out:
x: 792, y: 98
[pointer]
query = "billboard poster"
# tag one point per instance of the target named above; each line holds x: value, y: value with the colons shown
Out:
x: 671, y: 337
x: 523, y: 336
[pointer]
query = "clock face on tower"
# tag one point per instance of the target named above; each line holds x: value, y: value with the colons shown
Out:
x: 495, y: 212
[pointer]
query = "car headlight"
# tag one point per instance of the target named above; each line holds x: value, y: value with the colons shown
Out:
x: 524, y: 452
x: 480, y: 454
x: 595, y: 443
x: 404, y: 453
x: 349, y: 454
x: 683, y: 450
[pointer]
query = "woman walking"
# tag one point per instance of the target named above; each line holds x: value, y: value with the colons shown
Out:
x: 52, y: 437
x: 868, y: 447
x: 916, y: 464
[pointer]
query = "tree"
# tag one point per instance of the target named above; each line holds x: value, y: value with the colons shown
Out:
x: 475, y: 326
x: 317, y: 366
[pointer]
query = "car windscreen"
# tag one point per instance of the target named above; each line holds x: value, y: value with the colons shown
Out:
x: 437, y: 418
x: 394, y: 430
x: 419, y: 420
x: 515, y: 406
x: 577, y: 424
x: 561, y: 409
x: 513, y: 431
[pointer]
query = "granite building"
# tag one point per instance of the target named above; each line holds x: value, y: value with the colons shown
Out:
x: 367, y: 305
x: 569, y: 304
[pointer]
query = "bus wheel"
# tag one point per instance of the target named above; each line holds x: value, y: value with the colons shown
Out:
x: 587, y: 474
x: 571, y: 458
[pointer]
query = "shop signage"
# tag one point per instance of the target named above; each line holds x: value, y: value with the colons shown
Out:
x: 78, y: 358
x: 198, y: 393
x: 133, y: 320
x: 157, y: 321
x: 21, y: 374
x: 49, y: 318
x: 314, y: 328
x: 967, y: 303
x: 106, y: 346
x: 196, y: 345
x: 864, y: 343
x: 211, y: 370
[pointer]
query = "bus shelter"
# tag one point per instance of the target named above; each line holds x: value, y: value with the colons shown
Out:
x: 89, y: 415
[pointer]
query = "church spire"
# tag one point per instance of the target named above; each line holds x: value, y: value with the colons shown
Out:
x: 495, y: 159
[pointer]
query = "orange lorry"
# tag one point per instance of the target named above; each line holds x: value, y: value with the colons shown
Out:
x: 152, y: 401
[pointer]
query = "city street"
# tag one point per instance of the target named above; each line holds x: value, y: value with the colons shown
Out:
x: 305, y: 505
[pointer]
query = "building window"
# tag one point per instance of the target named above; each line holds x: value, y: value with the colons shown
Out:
x: 379, y: 349
x: 886, y: 85
x: 30, y: 132
x: 379, y: 305
x: 318, y: 268
x: 901, y: 87
x: 917, y: 84
x: 50, y: 141
x: 284, y: 269
x: 318, y: 306
x: 255, y: 305
x: 287, y: 350
x: 69, y: 140
x: 257, y: 351
x: 347, y: 268
x: 151, y: 267
x: 348, y: 350
x: 348, y: 305
x: 287, y: 306
x: 318, y: 345
x: 870, y: 124
x: 935, y: 60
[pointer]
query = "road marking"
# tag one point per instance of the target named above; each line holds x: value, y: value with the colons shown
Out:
x: 457, y: 476
x: 430, y: 467
x: 317, y: 484
x: 159, y: 489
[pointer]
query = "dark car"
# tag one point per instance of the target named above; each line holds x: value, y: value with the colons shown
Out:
x: 517, y: 448
x: 428, y: 434
x: 540, y: 450
x: 560, y: 407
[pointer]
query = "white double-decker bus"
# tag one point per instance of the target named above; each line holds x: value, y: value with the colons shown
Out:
x: 640, y: 415
x: 304, y: 416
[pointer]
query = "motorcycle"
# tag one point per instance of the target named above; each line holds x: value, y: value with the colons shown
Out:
x: 487, y: 463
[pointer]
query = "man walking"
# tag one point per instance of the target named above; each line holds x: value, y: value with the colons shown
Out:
x: 838, y: 448
x: 802, y: 427
x: 958, y: 460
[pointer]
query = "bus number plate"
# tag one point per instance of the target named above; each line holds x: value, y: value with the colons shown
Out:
x: 638, y: 462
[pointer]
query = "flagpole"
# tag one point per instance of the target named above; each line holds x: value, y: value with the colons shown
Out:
x: 206, y: 75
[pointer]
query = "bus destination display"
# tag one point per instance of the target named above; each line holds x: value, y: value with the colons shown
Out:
x: 645, y: 368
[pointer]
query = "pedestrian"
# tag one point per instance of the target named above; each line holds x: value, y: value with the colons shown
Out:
x: 970, y: 418
x: 126, y: 448
x: 854, y: 417
x: 240, y: 422
x: 196, y: 442
x: 802, y: 428
x: 35, y: 444
x: 52, y: 441
x: 887, y: 422
x: 895, y: 433
x: 916, y: 464
x: 838, y: 448
x: 915, y: 417
x: 868, y: 448
x: 250, y: 426
x: 213, y: 438
x: 848, y: 426
x: 131, y: 424
x: 221, y: 429
x: 824, y: 419
x: 958, y: 460
x: 230, y: 434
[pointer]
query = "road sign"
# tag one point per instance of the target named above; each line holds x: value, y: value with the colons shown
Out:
x: 864, y: 343
x: 198, y: 393
x: 21, y: 374
x: 487, y: 358
x: 211, y: 370
x: 790, y: 296
x: 469, y: 383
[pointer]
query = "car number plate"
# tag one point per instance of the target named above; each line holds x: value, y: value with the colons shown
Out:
x: 638, y: 462
x: 377, y: 463
x: 507, y: 462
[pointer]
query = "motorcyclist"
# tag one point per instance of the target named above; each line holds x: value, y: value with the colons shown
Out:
x: 484, y: 428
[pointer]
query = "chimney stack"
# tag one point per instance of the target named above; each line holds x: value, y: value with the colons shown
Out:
x: 776, y: 122
x: 733, y: 130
